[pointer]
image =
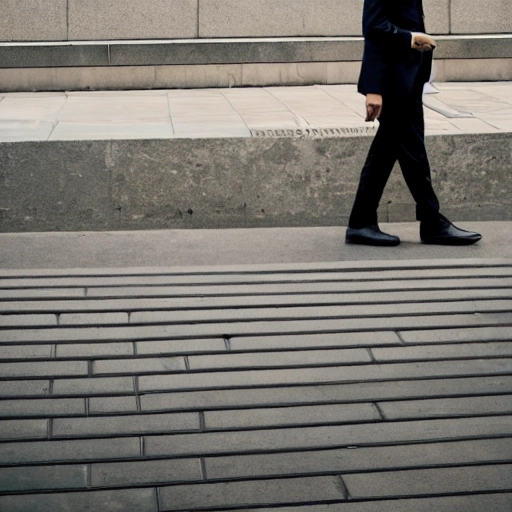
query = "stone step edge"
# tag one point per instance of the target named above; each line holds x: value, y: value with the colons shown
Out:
x: 228, y: 51
x: 266, y: 268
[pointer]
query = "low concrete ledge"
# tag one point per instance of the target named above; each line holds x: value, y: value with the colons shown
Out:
x: 228, y: 51
x: 246, y: 182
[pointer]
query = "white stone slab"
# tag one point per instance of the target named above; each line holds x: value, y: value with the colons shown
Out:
x: 112, y: 131
x: 116, y: 108
x: 25, y: 130
x: 43, y: 108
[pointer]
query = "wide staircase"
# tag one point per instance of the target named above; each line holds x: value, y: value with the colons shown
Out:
x: 319, y: 387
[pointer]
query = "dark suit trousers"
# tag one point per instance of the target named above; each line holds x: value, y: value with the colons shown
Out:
x: 401, y: 136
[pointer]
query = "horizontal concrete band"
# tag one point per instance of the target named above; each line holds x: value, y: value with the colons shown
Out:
x: 75, y: 20
x: 245, y: 182
x: 226, y: 51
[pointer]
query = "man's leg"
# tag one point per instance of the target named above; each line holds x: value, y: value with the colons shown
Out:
x: 379, y: 163
x: 412, y: 156
x: 413, y: 159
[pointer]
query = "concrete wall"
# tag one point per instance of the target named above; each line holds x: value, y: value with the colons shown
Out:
x: 72, y: 20
x: 246, y: 182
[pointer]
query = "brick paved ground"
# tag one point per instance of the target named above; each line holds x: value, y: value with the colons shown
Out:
x: 336, y: 387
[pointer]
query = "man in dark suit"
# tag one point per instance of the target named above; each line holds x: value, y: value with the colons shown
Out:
x: 397, y: 62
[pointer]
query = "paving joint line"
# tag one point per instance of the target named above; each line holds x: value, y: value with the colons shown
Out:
x: 136, y: 392
x: 343, y: 487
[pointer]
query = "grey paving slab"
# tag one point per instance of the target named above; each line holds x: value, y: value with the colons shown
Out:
x: 139, y: 366
x: 183, y: 278
x: 460, y: 335
x: 146, y: 472
x: 47, y: 407
x: 180, y: 346
x: 123, y: 425
x: 170, y: 277
x: 285, y: 313
x: 23, y: 429
x: 29, y: 306
x: 454, y: 351
x: 93, y: 386
x: 300, y: 416
x: 447, y: 407
x: 430, y: 481
x: 359, y: 459
x: 44, y: 369
x: 27, y: 320
x: 298, y: 341
x: 229, y: 267
x: 93, y: 318
x: 270, y: 289
x: 209, y: 330
x: 73, y: 450
x: 127, y: 500
x: 275, y: 492
x: 328, y: 436
x: 362, y: 391
x: 26, y: 352
x: 91, y: 350
x: 112, y: 404
x: 46, y: 294
x: 285, y: 377
x: 24, y: 388
x: 271, y: 359
x: 42, y: 478
x: 469, y: 503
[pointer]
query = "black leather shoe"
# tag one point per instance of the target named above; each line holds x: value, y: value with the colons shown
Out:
x: 370, y: 235
x: 443, y: 232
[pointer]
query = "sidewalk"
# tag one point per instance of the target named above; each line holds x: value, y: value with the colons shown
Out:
x: 458, y: 108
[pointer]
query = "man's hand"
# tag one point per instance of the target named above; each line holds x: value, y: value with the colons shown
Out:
x: 422, y: 42
x: 373, y: 106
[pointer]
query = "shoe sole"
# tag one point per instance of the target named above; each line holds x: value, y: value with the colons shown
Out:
x: 450, y: 241
x: 373, y: 243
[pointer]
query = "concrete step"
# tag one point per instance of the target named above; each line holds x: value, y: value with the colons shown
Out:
x: 170, y: 404
x: 284, y: 156
x: 229, y: 62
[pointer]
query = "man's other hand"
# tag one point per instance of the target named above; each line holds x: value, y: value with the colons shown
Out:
x: 373, y: 106
x: 422, y: 42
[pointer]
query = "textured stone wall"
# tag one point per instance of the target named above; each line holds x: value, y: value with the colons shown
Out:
x: 245, y: 182
x: 74, y: 20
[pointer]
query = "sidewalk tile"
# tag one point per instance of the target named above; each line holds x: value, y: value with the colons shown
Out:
x: 430, y: 481
x: 127, y: 500
x: 229, y: 494
x: 123, y: 425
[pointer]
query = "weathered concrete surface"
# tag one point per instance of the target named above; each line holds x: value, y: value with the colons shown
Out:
x: 213, y: 183
x: 199, y: 247
x: 26, y: 20
x: 79, y: 20
x: 480, y: 16
x: 225, y: 51
x: 268, y: 18
x: 131, y: 19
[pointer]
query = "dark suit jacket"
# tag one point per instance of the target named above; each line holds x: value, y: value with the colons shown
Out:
x: 390, y: 66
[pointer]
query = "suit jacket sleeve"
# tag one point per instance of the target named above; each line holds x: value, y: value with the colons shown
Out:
x: 378, y: 29
x: 383, y: 42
